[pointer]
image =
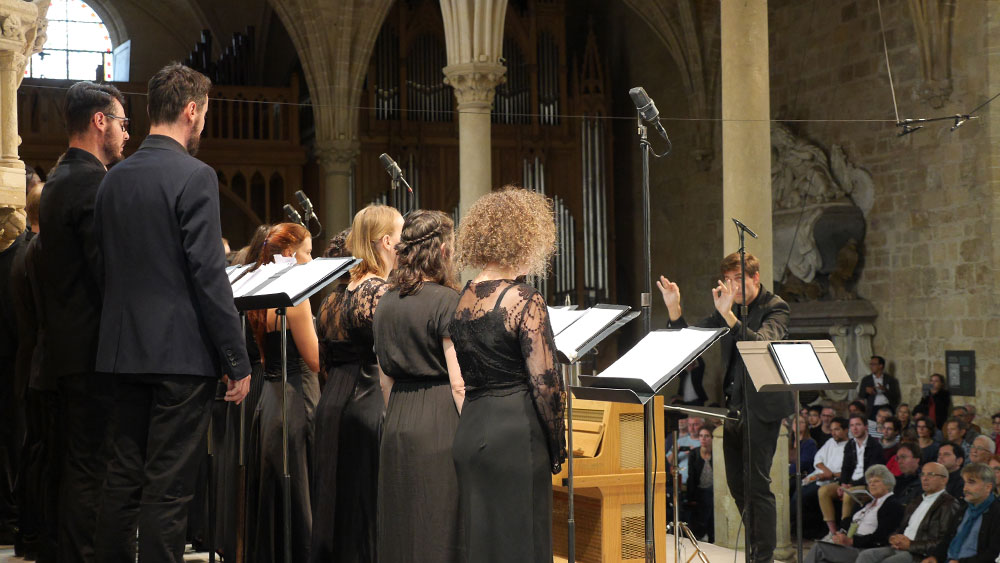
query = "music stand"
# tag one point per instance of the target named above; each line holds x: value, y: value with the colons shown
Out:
x: 280, y: 286
x: 803, y: 365
x: 579, y: 333
x: 673, y: 414
x: 640, y: 375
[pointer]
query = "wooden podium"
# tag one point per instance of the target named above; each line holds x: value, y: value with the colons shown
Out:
x: 608, y: 480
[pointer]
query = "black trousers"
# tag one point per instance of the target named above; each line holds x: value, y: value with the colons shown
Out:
x: 11, y: 441
x: 86, y: 403
x: 760, y: 517
x: 160, y: 423
x: 38, y: 481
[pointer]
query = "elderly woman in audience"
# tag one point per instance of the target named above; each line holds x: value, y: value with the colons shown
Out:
x: 869, y: 527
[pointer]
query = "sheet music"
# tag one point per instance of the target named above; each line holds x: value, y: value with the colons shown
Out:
x: 591, y: 322
x: 303, y: 276
x: 560, y: 318
x: 659, y: 353
x: 798, y: 363
x: 253, y: 279
x: 235, y: 271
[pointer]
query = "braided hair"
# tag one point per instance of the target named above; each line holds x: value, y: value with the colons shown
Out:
x: 419, y: 254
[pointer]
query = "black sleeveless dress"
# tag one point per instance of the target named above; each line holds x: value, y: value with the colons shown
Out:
x: 265, y: 512
x: 511, y: 434
x: 354, y: 521
x: 418, y: 514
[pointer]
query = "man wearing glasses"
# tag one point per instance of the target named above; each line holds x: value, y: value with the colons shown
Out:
x: 71, y: 273
x: 926, y: 521
x: 982, y: 449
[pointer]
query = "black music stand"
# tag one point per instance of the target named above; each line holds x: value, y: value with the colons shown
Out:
x: 807, y: 365
x: 280, y: 286
x: 657, y: 359
x: 579, y: 332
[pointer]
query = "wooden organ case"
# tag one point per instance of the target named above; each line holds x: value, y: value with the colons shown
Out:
x: 547, y: 131
x: 608, y: 485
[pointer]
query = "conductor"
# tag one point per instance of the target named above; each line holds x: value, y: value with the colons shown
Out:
x: 767, y: 319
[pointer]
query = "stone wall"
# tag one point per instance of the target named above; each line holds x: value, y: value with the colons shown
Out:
x: 931, y: 244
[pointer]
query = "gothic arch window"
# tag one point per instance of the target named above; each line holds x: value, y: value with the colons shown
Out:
x: 78, y: 45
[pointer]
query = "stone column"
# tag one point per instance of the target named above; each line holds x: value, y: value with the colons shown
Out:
x: 22, y: 33
x: 337, y: 159
x: 475, y: 87
x: 473, y: 33
x: 746, y: 145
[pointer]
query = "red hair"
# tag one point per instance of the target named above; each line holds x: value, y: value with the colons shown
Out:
x: 283, y: 237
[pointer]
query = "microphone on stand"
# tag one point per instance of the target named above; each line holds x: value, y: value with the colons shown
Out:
x: 394, y: 171
x: 647, y: 109
x: 744, y: 228
x: 293, y: 215
x: 310, y: 212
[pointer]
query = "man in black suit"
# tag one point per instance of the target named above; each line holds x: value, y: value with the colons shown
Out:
x: 878, y: 388
x: 767, y: 319
x: 70, y: 274
x: 169, y: 328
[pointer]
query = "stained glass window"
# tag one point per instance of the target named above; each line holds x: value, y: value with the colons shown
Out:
x: 78, y: 43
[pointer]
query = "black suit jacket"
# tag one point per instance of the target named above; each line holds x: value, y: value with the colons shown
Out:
x: 69, y: 264
x: 767, y: 319
x: 873, y: 456
x: 987, y: 544
x: 168, y: 306
x: 695, y: 466
x: 892, y: 392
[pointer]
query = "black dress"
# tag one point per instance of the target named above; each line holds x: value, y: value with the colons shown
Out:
x: 265, y: 512
x: 354, y: 520
x: 418, y: 518
x: 511, y: 434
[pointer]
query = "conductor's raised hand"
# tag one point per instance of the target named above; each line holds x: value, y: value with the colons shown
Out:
x: 724, y: 296
x: 671, y: 296
x: 236, y: 391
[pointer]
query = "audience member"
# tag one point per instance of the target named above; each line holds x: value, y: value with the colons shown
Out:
x: 686, y: 443
x: 908, y: 480
x: 925, y: 439
x: 961, y: 412
x: 926, y: 521
x: 878, y: 388
x: 907, y: 431
x: 952, y: 457
x: 870, y: 527
x: 822, y: 433
x: 699, y: 497
x: 975, y: 536
x: 890, y: 438
x: 996, y: 429
x: 883, y: 414
x: 937, y: 404
x: 862, y: 452
x: 691, y: 391
x: 982, y: 449
x: 807, y: 450
x: 970, y: 418
x: 816, y: 425
x: 995, y: 466
x: 956, y: 430
x: 827, y: 465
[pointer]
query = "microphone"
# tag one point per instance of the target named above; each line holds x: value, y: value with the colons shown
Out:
x: 744, y: 228
x: 647, y: 109
x: 306, y: 205
x: 293, y: 215
x: 394, y: 171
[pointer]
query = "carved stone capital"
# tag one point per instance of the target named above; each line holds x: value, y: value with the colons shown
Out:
x: 475, y: 83
x: 337, y: 154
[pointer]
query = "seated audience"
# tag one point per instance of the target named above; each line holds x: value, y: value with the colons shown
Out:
x: 686, y: 443
x: 699, y: 498
x: 925, y: 439
x: 962, y: 413
x: 956, y: 430
x: 970, y: 418
x: 952, y: 457
x: 807, y: 449
x: 908, y: 481
x: 890, y: 437
x: 975, y: 536
x: 827, y: 465
x: 995, y: 466
x: 820, y: 432
x: 907, y: 431
x: 870, y: 527
x: 926, y: 521
x: 862, y: 452
x: 982, y: 449
x: 691, y: 391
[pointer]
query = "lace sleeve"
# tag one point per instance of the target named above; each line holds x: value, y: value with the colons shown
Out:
x: 538, y: 348
x: 365, y: 301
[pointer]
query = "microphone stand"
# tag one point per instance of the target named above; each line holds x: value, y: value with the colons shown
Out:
x: 745, y: 415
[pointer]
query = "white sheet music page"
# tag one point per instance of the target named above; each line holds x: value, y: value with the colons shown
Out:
x: 303, y: 276
x: 561, y: 318
x: 591, y: 322
x: 799, y: 363
x: 234, y: 271
x: 253, y: 279
x: 659, y: 353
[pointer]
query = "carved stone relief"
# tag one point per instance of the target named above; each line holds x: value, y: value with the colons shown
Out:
x: 932, y: 22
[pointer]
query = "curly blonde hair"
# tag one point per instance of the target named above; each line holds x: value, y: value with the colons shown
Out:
x: 512, y: 227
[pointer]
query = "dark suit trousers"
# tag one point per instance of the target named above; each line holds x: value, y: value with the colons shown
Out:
x: 86, y: 404
x: 160, y: 427
x: 38, y: 483
x: 761, y: 516
x: 11, y: 440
